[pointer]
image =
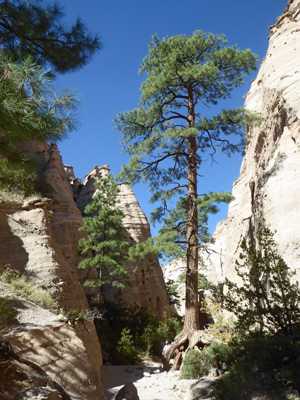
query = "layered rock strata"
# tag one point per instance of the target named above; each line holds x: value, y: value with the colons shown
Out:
x: 268, y: 187
x: 48, y: 352
x: 27, y: 245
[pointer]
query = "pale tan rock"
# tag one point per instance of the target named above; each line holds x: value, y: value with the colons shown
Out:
x: 27, y: 243
x: 268, y: 186
x: 135, y: 221
x: 55, y: 181
x: 66, y: 217
x: 83, y: 193
x: 58, y: 349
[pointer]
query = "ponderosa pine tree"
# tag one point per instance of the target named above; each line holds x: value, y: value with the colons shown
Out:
x: 32, y: 38
x: 105, y: 248
x: 171, y: 241
x: 32, y: 28
x: 172, y: 132
x: 29, y: 109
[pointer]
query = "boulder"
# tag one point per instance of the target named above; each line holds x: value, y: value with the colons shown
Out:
x: 127, y: 392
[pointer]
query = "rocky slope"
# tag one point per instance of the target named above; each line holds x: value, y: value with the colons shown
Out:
x: 42, y: 354
x: 27, y: 245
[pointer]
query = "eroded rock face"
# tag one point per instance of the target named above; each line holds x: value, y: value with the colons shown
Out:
x: 39, y: 238
x: 27, y: 245
x: 48, y: 352
x: 55, y: 182
x: 147, y: 284
x: 268, y: 186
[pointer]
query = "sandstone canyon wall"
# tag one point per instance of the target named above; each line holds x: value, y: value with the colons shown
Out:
x: 38, y: 238
x: 49, y: 355
x: 268, y: 186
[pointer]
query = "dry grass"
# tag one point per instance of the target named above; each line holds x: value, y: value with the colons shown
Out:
x: 21, y: 286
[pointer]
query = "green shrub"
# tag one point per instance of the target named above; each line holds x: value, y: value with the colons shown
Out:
x: 194, y: 365
x: 127, y: 353
x: 16, y: 178
x: 261, y: 363
x: 148, y: 333
x: 198, y: 363
x: 222, y: 328
x: 116, y: 317
x: 5, y: 313
x: 157, y: 332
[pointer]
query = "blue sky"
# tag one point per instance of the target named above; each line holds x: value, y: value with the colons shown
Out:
x: 110, y: 83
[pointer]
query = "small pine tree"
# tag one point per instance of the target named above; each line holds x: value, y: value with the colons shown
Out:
x: 105, y: 248
x: 266, y: 298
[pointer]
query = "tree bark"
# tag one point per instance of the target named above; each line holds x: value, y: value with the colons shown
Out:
x: 191, y: 321
x: 191, y: 318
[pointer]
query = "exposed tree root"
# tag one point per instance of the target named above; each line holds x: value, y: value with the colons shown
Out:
x: 181, y: 344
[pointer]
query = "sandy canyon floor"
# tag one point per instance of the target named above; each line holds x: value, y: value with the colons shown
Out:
x: 153, y: 383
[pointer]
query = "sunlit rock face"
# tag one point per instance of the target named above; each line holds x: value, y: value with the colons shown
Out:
x: 49, y: 352
x: 147, y: 287
x: 147, y: 284
x: 66, y: 218
x: 39, y: 238
x: 268, y: 187
x: 28, y: 245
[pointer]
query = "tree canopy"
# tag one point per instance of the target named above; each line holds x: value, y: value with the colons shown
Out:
x: 174, y: 131
x: 33, y: 40
x: 31, y: 28
x: 105, y: 248
x: 29, y: 109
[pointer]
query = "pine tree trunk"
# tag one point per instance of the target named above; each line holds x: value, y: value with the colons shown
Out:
x: 191, y: 321
x: 186, y: 338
